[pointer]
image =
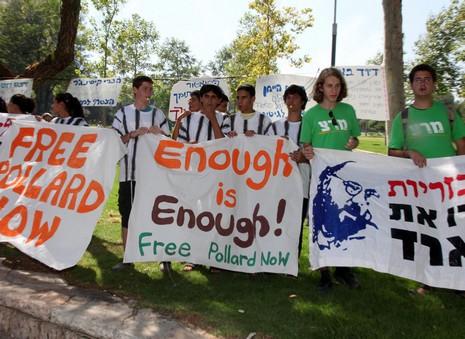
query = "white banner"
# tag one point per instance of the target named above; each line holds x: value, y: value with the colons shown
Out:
x: 270, y: 90
x: 229, y: 203
x: 387, y: 214
x: 367, y: 91
x: 6, y: 119
x: 181, y: 91
x: 54, y: 182
x: 15, y: 86
x: 96, y: 92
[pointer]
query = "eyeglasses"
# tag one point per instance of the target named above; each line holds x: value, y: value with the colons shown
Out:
x: 422, y: 80
x: 333, y: 120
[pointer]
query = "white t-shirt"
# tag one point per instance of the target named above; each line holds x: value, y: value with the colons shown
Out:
x: 259, y: 122
x: 197, y: 127
x: 124, y: 122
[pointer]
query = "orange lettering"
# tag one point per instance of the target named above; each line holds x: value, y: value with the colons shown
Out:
x: 72, y: 191
x: 42, y: 231
x: 84, y: 207
x: 56, y: 185
x: 19, y: 140
x: 279, y: 155
x: 40, y: 145
x: 74, y: 161
x: 18, y: 210
x: 64, y: 137
x: 4, y: 182
x: 235, y: 162
x: 212, y: 163
x: 161, y: 152
x: 266, y: 167
x: 202, y: 158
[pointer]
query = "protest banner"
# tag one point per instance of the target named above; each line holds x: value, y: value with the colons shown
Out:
x: 52, y: 190
x: 15, y: 86
x: 366, y: 85
x: 6, y: 119
x: 270, y: 90
x: 229, y: 203
x: 387, y: 214
x: 96, y: 92
x: 180, y: 93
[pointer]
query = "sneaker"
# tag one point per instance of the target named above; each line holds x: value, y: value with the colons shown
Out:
x: 165, y: 266
x: 345, y: 276
x: 121, y: 266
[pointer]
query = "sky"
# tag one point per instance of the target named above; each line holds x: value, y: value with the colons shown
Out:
x: 208, y: 25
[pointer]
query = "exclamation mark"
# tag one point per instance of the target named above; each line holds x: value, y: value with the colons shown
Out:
x: 280, y: 215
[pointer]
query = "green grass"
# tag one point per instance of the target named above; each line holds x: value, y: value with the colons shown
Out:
x: 233, y: 304
x: 373, y: 144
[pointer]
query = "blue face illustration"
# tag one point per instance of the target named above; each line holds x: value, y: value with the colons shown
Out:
x: 340, y: 218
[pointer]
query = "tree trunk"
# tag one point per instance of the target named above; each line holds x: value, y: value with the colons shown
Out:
x: 63, y: 55
x: 393, y: 58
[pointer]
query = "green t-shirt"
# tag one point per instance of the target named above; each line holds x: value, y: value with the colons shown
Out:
x: 319, y: 131
x: 428, y: 131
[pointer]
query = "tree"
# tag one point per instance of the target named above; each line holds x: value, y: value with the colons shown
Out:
x: 38, y: 42
x: 393, y: 57
x: 59, y: 58
x: 267, y: 34
x: 442, y: 47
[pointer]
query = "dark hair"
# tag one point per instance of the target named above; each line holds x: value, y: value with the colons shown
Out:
x: 3, y: 108
x: 72, y: 104
x: 248, y: 88
x: 224, y: 97
x: 211, y: 88
x: 196, y: 94
x: 317, y: 93
x: 137, y: 82
x: 422, y: 67
x: 300, y: 91
x: 25, y: 104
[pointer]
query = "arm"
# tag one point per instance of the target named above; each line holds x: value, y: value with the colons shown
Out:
x: 352, y: 143
x: 177, y: 125
x: 417, y: 158
x: 460, y: 144
x: 308, y: 151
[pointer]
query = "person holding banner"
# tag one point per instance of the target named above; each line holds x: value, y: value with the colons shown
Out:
x: 194, y: 106
x: 247, y: 121
x: 289, y: 127
x: 330, y: 124
x: 410, y: 139
x: 68, y: 110
x: 3, y: 108
x: 206, y: 124
x: 20, y: 104
x: 131, y: 122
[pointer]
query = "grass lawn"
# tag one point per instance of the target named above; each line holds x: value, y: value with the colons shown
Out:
x: 231, y: 304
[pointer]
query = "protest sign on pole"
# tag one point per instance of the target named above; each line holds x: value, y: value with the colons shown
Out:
x: 55, y: 180
x: 96, y: 92
x: 229, y: 203
x: 15, y: 86
x: 180, y: 93
x: 387, y: 214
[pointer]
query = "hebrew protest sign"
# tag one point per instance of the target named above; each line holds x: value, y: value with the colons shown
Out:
x: 230, y: 203
x: 15, y: 86
x: 96, y: 92
x: 180, y: 93
x: 54, y: 182
x: 387, y: 214
x: 367, y: 91
x: 270, y: 90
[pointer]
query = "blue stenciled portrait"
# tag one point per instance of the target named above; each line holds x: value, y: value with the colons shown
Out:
x: 339, y: 218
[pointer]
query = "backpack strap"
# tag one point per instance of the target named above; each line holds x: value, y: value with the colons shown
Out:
x: 404, y: 117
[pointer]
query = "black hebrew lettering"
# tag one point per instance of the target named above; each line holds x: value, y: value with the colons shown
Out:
x: 455, y: 256
x: 397, y: 212
x: 435, y: 249
x: 408, y: 239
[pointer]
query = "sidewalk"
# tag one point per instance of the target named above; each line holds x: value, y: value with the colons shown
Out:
x: 38, y: 305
